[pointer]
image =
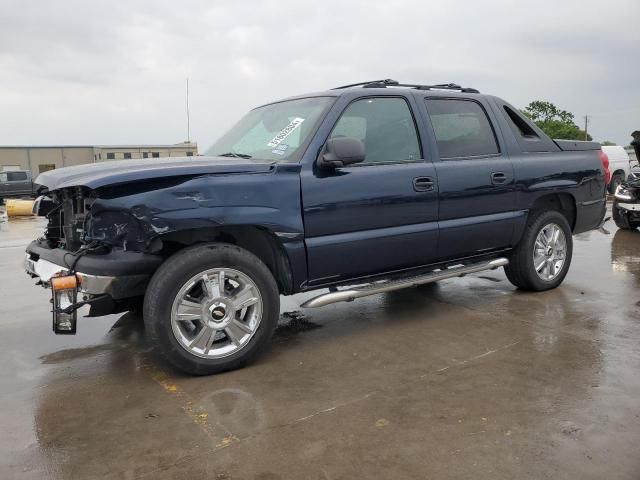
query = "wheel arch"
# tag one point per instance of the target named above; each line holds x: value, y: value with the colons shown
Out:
x: 260, y: 241
x: 563, y: 202
x: 618, y: 172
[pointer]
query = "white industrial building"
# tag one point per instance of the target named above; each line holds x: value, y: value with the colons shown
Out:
x: 39, y: 159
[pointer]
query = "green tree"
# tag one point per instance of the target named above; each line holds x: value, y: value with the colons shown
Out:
x: 607, y: 143
x: 553, y: 121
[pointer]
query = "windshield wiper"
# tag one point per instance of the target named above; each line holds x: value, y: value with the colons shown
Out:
x: 234, y: 154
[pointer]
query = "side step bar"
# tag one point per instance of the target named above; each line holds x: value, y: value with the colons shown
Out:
x: 374, y: 288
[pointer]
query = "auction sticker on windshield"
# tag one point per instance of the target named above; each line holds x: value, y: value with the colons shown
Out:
x: 284, y: 133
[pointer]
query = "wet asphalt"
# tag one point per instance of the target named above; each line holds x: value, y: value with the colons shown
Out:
x: 468, y: 378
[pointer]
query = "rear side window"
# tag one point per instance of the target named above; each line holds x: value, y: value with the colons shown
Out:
x: 16, y: 176
x: 529, y: 137
x: 386, y: 127
x: 462, y: 128
x: 520, y: 126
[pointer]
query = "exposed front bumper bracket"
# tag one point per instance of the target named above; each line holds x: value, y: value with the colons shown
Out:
x: 118, y: 287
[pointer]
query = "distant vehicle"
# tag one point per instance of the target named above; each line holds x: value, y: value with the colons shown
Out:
x: 619, y: 165
x: 626, y: 202
x: 16, y: 183
x: 626, y: 205
x: 363, y: 189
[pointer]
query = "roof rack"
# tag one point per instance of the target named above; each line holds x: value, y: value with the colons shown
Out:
x: 369, y: 84
x: 394, y: 83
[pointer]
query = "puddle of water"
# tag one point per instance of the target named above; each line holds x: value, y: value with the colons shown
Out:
x: 74, y: 354
x: 625, y: 251
x: 20, y: 231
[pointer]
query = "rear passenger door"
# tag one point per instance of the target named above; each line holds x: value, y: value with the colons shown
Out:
x: 475, y: 179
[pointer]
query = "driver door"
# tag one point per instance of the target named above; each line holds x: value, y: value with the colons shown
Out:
x: 377, y: 216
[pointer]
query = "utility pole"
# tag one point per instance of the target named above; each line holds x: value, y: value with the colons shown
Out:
x: 586, y: 126
x: 188, y: 126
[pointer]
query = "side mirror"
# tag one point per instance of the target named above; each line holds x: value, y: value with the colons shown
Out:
x: 340, y: 152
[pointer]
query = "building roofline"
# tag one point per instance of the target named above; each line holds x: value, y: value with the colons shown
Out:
x: 173, y: 145
x: 46, y: 146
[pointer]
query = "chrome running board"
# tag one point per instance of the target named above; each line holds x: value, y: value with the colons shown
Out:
x: 351, y: 294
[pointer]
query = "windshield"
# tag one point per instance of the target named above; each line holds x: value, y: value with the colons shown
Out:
x: 273, y: 132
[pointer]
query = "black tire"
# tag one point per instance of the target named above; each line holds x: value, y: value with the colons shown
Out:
x: 621, y: 219
x: 175, y: 272
x: 616, y: 180
x: 521, y: 271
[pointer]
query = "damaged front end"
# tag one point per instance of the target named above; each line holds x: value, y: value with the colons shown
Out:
x: 626, y: 205
x: 89, y: 255
x: 77, y: 219
x: 111, y: 225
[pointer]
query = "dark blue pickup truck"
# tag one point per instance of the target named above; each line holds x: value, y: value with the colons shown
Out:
x: 361, y: 189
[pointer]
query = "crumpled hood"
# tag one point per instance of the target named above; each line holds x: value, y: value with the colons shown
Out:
x: 95, y: 175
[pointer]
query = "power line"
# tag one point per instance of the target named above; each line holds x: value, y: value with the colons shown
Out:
x: 615, y: 112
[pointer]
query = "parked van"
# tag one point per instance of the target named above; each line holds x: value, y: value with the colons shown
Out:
x: 619, y: 165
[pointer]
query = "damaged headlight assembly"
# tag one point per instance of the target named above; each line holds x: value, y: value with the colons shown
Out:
x: 623, y: 193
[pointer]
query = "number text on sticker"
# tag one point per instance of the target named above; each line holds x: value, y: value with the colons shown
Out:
x: 295, y: 123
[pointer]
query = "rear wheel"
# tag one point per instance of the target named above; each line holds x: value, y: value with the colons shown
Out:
x: 542, y: 258
x: 621, y: 218
x: 211, y: 308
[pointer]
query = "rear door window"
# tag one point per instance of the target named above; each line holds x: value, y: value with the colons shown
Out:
x: 462, y: 128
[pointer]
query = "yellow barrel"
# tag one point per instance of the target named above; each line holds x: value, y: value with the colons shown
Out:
x: 19, y: 208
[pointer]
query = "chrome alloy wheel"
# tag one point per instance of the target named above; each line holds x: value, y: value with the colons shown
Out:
x: 549, y: 252
x: 216, y: 313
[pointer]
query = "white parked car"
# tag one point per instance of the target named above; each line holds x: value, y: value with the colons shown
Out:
x: 619, y: 165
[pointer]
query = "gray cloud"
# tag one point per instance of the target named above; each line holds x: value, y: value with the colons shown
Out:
x: 78, y: 72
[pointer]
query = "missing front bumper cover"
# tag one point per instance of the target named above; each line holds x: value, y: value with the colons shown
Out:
x: 118, y: 287
x: 104, y: 294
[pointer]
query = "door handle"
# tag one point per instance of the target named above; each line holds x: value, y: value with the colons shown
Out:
x: 423, y: 184
x: 498, y: 178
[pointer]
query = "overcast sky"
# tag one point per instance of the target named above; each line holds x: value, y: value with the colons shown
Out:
x: 97, y: 72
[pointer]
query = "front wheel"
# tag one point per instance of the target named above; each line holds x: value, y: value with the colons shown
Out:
x: 211, y: 308
x: 616, y: 180
x: 542, y: 258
